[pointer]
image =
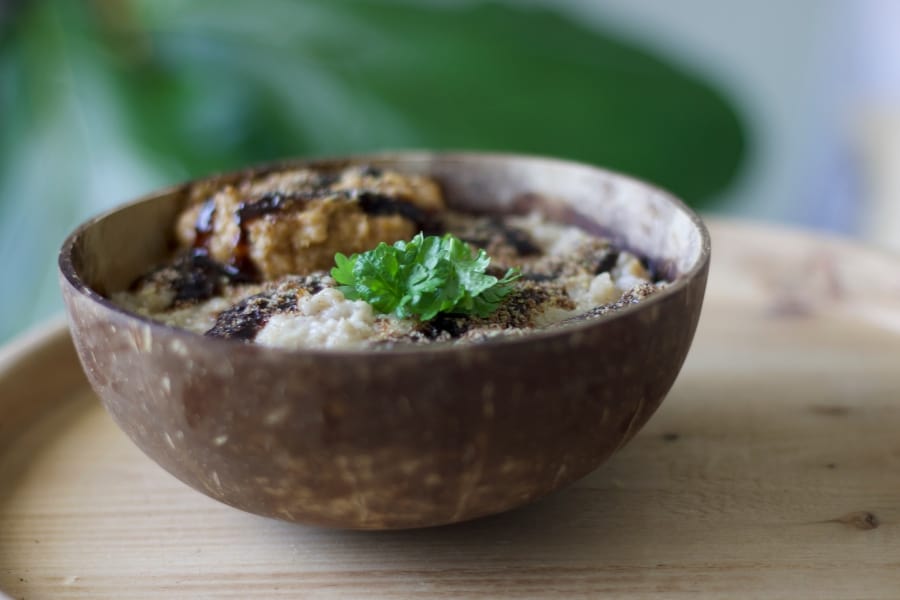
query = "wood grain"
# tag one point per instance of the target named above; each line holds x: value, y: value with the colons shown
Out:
x: 771, y: 471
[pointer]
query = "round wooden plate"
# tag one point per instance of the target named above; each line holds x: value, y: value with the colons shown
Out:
x: 772, y: 470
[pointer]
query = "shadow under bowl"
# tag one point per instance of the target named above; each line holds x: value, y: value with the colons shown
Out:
x: 402, y: 438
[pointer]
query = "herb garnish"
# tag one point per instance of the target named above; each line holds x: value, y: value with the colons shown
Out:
x: 423, y: 277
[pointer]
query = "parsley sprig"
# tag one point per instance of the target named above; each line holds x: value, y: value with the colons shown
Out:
x: 423, y: 277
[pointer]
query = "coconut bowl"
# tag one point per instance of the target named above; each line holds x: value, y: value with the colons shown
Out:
x: 407, y: 437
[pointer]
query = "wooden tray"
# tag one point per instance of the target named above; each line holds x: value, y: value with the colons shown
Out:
x: 771, y: 471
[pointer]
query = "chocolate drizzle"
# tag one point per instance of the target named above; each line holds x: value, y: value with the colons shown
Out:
x: 246, y: 318
x: 193, y: 277
x: 239, y: 268
x: 203, y: 228
x: 520, y: 240
x: 606, y: 261
x: 271, y: 203
x: 453, y: 325
x: 376, y: 204
x: 493, y: 234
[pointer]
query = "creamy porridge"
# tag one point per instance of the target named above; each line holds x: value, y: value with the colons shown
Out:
x: 255, y: 258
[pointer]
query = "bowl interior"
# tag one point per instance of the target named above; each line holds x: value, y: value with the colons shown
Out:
x: 109, y: 252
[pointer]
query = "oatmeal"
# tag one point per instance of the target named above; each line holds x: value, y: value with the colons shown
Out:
x: 255, y: 258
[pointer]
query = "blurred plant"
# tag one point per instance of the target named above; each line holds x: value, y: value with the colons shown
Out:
x: 105, y: 99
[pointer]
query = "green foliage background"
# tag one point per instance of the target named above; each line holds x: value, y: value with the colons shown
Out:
x: 103, y: 100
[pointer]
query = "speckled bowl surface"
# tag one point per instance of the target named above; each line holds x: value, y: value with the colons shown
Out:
x: 409, y: 437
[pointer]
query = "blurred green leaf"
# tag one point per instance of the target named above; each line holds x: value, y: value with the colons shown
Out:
x: 494, y: 76
x: 351, y: 75
x: 63, y: 154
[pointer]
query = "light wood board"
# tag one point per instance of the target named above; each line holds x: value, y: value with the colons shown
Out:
x: 772, y: 470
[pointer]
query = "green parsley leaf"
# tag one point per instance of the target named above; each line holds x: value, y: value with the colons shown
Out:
x: 423, y: 277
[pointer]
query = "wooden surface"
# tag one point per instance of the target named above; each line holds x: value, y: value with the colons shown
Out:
x: 771, y: 471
